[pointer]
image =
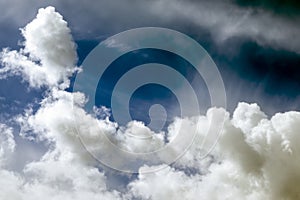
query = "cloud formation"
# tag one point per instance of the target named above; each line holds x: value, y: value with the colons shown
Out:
x: 49, y: 55
x: 7, y: 144
x: 256, y: 158
x: 222, y: 19
x: 225, y: 20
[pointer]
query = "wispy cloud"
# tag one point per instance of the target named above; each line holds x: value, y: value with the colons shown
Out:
x: 222, y: 19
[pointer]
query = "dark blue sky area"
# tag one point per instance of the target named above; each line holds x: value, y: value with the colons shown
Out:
x: 256, y: 74
x: 250, y: 72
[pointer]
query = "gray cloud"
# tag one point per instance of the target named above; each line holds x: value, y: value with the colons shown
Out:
x: 222, y: 19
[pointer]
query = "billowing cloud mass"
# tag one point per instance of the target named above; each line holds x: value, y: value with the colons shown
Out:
x: 256, y: 157
x: 46, y: 59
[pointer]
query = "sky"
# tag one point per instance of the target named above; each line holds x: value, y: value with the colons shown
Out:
x: 226, y: 129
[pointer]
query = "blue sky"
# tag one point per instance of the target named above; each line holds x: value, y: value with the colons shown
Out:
x: 267, y: 73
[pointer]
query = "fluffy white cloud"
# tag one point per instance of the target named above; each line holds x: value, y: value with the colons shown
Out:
x: 256, y: 158
x: 55, y: 178
x: 49, y: 55
x: 138, y: 138
x: 61, y: 173
x: 47, y: 59
x: 166, y: 183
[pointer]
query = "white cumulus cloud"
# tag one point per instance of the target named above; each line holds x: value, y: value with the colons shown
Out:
x: 49, y: 55
x: 256, y: 158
